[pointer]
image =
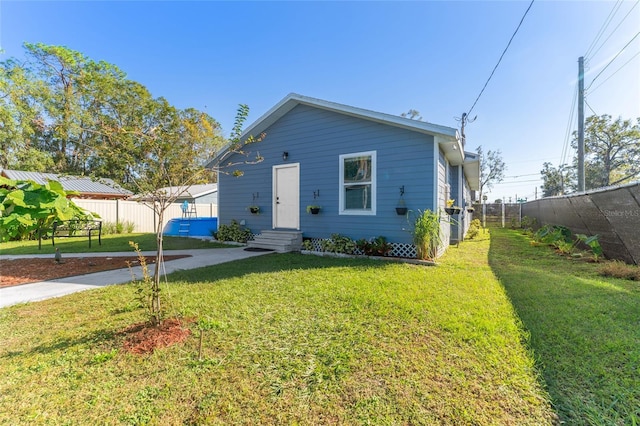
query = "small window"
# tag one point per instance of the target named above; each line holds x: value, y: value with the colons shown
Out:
x: 358, y: 183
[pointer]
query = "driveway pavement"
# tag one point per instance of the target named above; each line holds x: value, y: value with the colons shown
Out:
x: 55, y: 288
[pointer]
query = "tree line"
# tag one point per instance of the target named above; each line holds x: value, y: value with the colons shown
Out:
x: 63, y: 112
x: 612, y: 157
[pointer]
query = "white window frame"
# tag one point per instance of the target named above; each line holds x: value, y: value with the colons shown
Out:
x: 374, y: 166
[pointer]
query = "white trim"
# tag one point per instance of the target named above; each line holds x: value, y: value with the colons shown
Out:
x: 341, y: 201
x: 462, y: 203
x: 436, y: 179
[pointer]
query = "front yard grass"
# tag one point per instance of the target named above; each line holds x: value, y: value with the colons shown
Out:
x: 294, y: 339
x: 585, y: 329
x: 110, y: 243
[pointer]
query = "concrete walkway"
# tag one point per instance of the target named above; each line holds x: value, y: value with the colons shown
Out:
x: 55, y: 288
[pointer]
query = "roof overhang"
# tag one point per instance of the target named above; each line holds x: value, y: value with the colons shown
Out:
x: 472, y: 170
x: 452, y: 149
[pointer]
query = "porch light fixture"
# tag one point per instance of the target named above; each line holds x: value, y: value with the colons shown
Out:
x: 285, y: 155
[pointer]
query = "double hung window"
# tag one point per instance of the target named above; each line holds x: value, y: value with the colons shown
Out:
x: 358, y: 183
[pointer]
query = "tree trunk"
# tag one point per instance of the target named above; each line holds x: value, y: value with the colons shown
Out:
x: 155, y: 287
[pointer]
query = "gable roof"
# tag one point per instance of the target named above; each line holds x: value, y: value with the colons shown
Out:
x: 86, y: 186
x: 447, y: 137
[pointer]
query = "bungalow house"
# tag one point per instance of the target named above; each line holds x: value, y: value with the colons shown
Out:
x: 87, y: 188
x: 357, y: 166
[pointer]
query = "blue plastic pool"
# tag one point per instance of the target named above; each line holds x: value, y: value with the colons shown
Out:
x: 191, y: 227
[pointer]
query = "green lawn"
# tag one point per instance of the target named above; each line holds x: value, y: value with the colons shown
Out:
x: 296, y: 340
x: 584, y: 328
x: 110, y: 243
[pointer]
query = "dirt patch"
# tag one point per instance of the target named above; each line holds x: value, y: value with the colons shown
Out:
x: 22, y: 271
x: 144, y: 338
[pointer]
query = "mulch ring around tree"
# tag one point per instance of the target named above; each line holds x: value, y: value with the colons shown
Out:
x: 144, y: 338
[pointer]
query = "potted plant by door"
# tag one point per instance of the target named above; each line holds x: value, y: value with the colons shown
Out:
x: 313, y: 209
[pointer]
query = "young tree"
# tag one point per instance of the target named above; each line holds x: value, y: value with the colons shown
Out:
x: 492, y: 169
x: 169, y: 151
x: 557, y: 181
x: 612, y: 151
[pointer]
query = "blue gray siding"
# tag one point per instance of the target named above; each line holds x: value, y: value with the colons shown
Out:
x: 315, y: 138
x: 444, y: 192
x: 454, y: 194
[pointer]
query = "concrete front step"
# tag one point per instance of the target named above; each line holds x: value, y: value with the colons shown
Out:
x: 280, y: 241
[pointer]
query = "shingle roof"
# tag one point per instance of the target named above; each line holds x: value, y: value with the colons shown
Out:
x: 82, y: 184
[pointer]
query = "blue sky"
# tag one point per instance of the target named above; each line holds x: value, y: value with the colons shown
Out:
x: 384, y: 56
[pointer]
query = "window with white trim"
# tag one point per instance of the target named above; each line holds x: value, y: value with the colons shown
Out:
x: 358, y: 183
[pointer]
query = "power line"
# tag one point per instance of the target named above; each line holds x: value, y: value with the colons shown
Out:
x: 572, y: 112
x: 616, y: 28
x: 531, y: 160
x: 604, y: 26
x: 615, y: 72
x: 501, y: 56
x: 530, y: 174
x: 587, y: 103
x: 517, y: 182
x: 613, y: 59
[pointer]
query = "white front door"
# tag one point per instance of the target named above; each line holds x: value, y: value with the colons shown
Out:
x: 286, y: 196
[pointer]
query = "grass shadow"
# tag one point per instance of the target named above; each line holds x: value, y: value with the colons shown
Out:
x: 583, y: 329
x: 96, y: 337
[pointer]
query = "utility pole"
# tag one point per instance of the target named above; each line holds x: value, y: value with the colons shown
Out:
x: 580, y: 124
x: 463, y: 122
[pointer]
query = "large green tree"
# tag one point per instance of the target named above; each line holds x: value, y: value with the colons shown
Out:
x: 612, y: 151
x: 21, y: 122
x: 557, y: 180
x: 64, y: 112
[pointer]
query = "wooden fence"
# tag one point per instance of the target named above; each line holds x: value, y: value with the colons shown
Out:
x: 141, y: 215
x: 498, y: 214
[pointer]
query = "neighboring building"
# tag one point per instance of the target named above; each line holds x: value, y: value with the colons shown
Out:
x: 190, y: 196
x: 88, y: 188
x: 196, y: 194
x: 354, y: 163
